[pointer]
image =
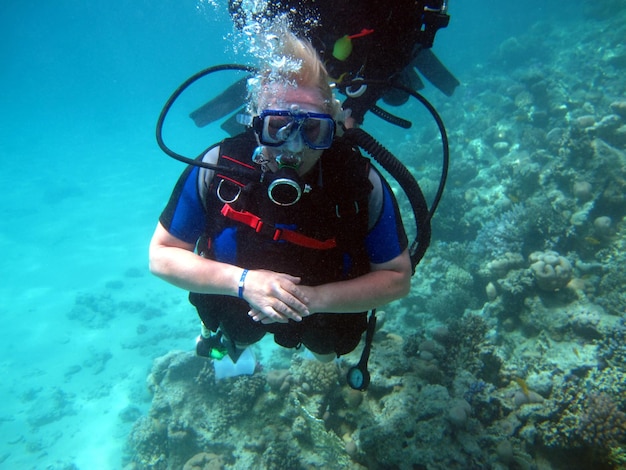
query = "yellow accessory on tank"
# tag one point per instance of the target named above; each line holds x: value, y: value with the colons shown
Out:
x: 343, y: 46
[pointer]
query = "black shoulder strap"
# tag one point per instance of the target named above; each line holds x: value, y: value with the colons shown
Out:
x: 346, y: 178
x: 241, y: 147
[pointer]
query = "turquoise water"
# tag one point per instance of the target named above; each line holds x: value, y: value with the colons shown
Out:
x: 83, y: 183
x: 82, y: 85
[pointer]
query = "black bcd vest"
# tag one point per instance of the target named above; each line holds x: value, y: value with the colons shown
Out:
x: 334, y: 210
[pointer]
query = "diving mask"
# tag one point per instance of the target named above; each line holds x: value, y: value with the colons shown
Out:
x: 278, y: 127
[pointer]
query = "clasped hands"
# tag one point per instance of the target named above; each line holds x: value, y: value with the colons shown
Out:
x: 275, y: 297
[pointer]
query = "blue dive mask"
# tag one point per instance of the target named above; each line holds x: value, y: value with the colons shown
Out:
x: 277, y: 127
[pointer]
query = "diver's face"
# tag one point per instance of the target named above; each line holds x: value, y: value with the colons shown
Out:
x: 303, y: 99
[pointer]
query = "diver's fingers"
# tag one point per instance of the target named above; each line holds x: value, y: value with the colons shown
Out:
x: 291, y: 302
x: 290, y: 278
x: 259, y: 316
x: 275, y: 294
x: 291, y: 296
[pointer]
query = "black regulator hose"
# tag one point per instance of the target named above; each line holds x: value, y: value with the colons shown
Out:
x: 408, y: 184
x: 396, y: 168
x: 400, y: 122
x: 168, y: 104
x: 390, y: 118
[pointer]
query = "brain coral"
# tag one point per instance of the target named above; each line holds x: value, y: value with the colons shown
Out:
x: 319, y: 377
x: 551, y: 270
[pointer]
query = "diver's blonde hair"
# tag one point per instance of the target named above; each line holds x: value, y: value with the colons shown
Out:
x: 295, y: 63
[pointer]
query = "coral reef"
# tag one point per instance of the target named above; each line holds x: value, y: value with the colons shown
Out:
x: 504, y: 234
x: 195, y: 418
x: 551, y: 270
x: 602, y: 424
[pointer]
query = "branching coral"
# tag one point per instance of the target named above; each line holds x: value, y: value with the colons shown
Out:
x: 612, y: 347
x: 464, y: 343
x: 503, y: 234
x: 595, y: 422
x: 237, y: 395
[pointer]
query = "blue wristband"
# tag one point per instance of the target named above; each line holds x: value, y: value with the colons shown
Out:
x: 242, y: 281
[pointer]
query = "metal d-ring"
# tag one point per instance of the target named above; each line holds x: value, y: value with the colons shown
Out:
x: 359, y: 91
x: 222, y: 198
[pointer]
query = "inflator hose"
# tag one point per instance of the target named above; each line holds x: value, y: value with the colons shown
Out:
x: 167, y: 106
x: 408, y: 184
x: 390, y: 118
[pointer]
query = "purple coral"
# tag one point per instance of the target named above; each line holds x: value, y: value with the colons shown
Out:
x: 602, y: 424
x: 503, y: 234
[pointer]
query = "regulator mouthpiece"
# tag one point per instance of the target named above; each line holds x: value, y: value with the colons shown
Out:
x: 285, y: 188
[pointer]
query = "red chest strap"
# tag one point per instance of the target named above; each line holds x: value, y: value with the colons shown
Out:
x: 276, y: 234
